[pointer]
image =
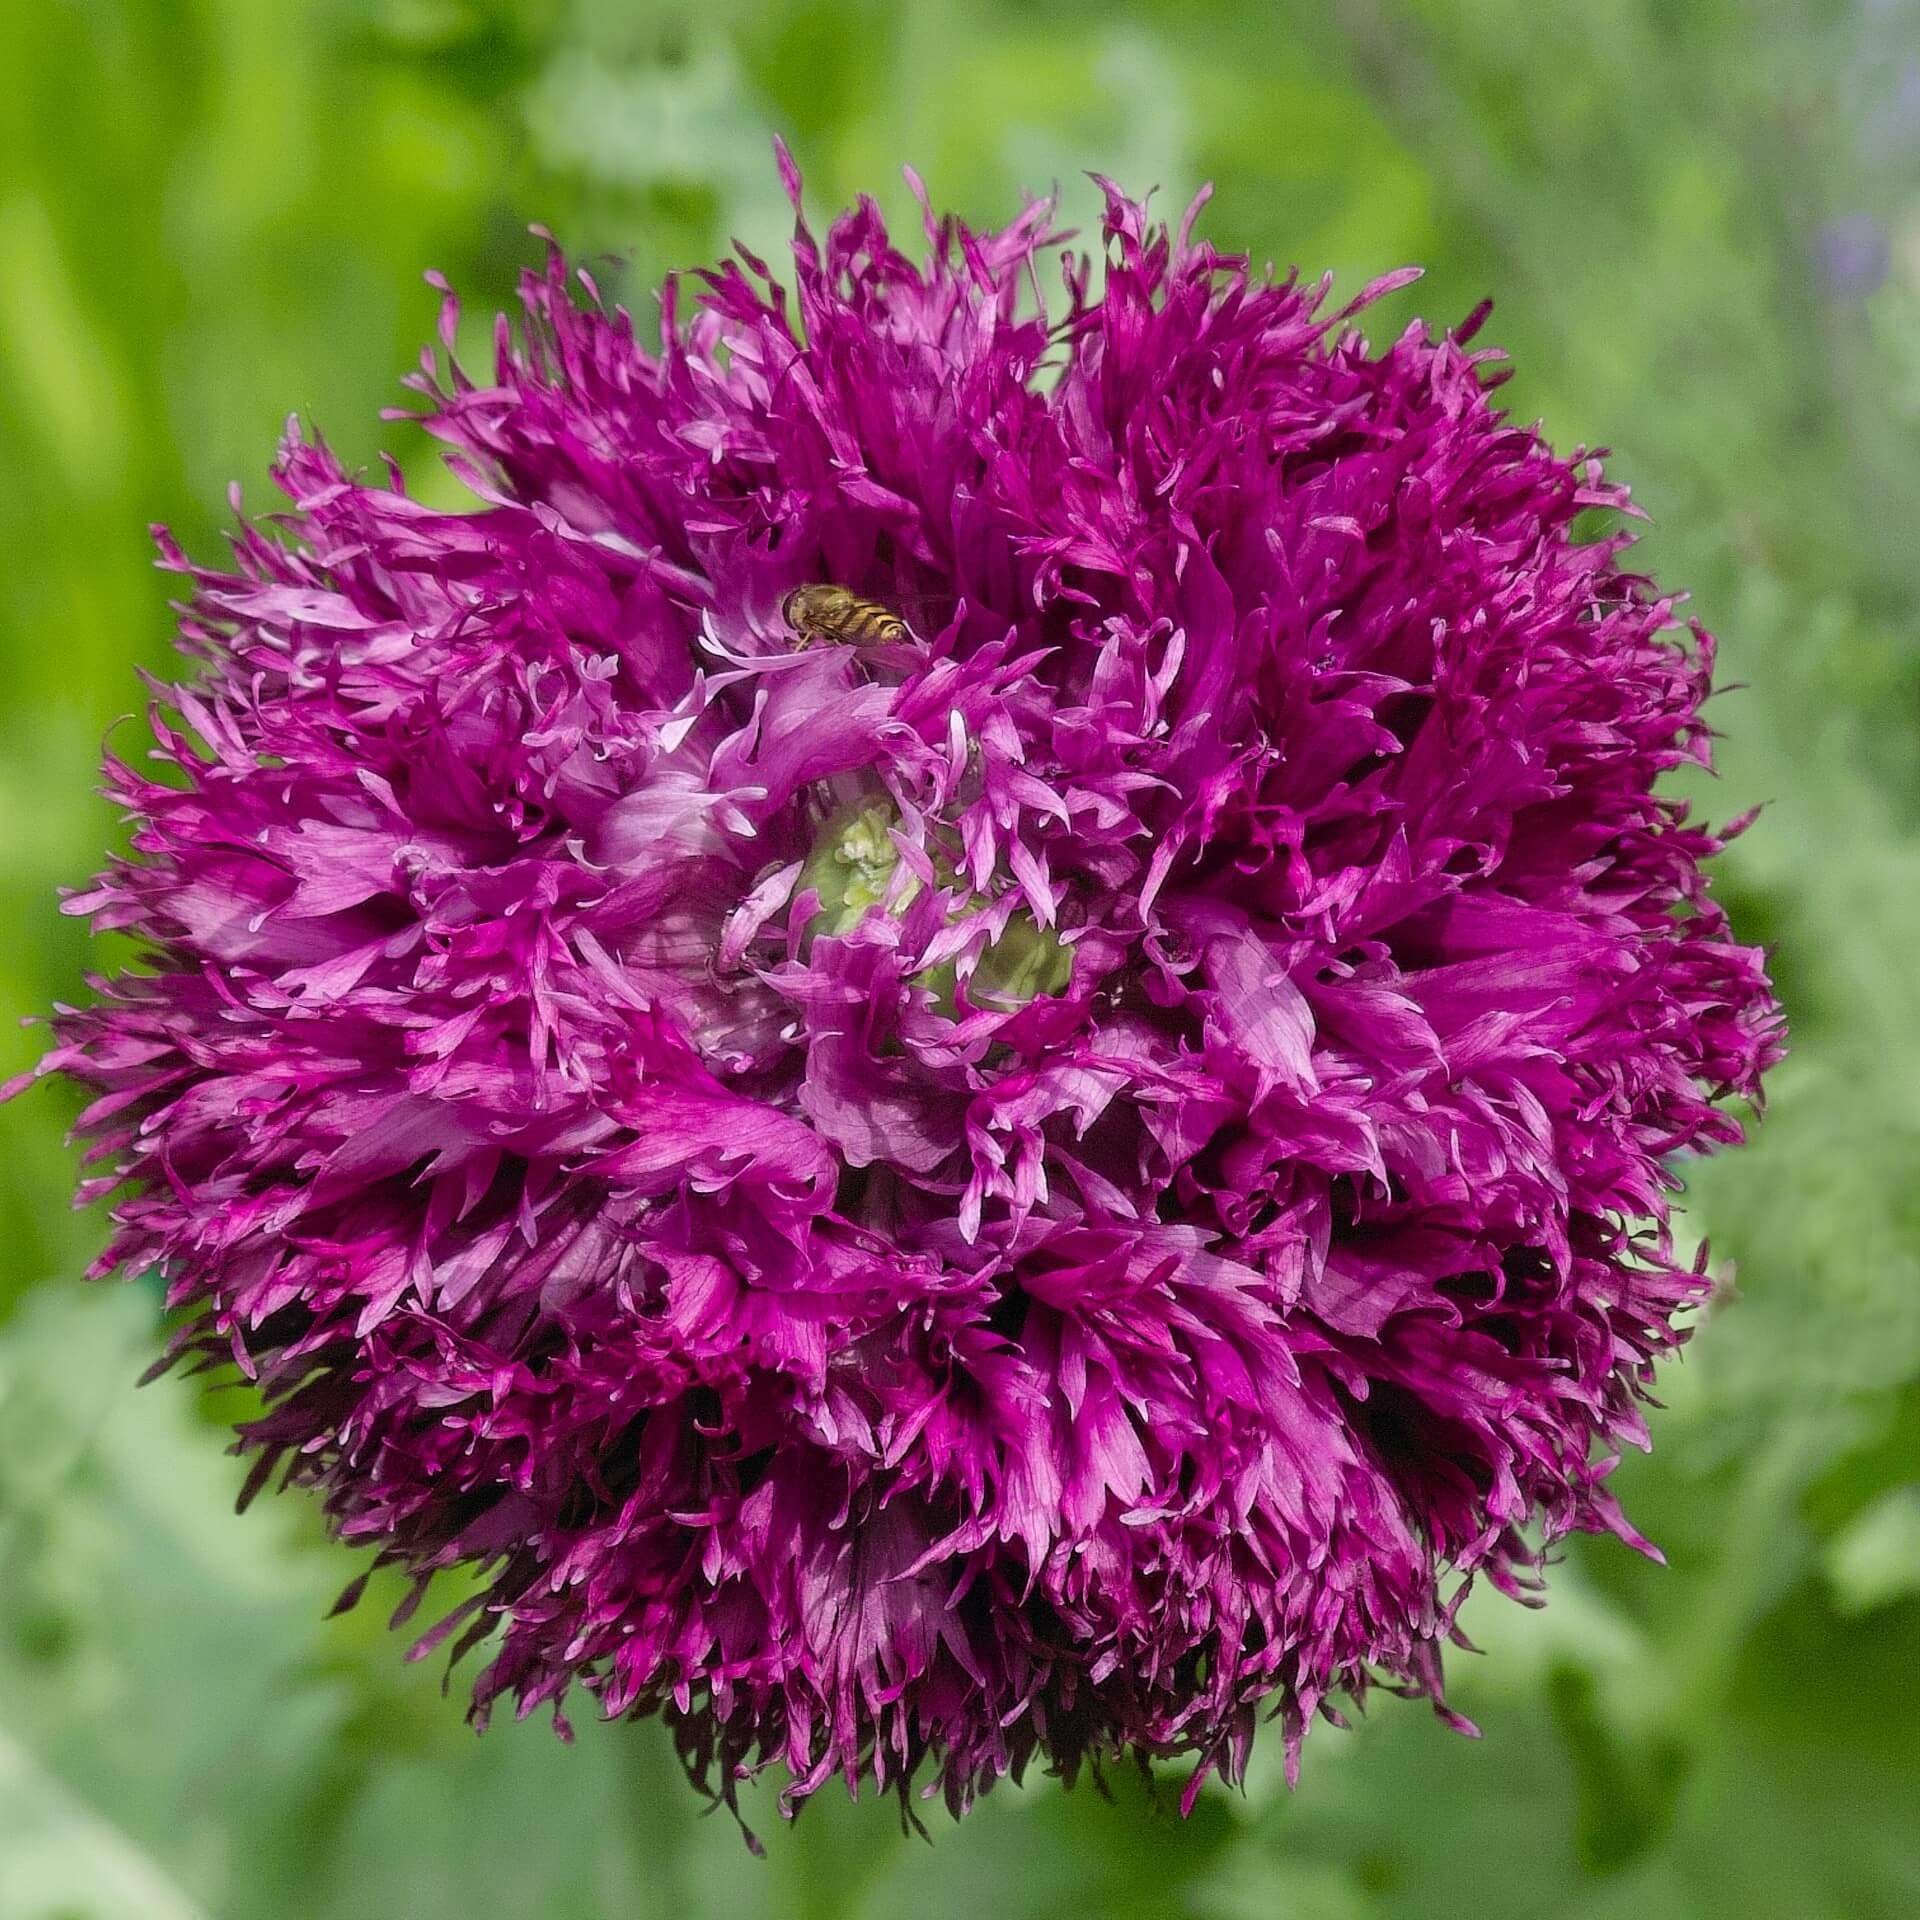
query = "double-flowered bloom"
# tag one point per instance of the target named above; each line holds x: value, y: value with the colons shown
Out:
x: 1045, y: 1185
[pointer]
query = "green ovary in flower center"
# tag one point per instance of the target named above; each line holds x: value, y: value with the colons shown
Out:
x: 851, y: 870
x: 851, y: 866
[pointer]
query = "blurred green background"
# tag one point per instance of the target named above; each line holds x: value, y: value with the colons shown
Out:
x: 1701, y: 220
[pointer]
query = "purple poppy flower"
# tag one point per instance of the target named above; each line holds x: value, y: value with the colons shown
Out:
x: 1035, y: 1183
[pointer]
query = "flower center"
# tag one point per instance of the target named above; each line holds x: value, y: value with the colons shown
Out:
x: 851, y: 870
x: 851, y: 865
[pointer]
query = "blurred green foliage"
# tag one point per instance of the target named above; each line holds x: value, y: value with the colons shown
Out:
x: 1702, y: 220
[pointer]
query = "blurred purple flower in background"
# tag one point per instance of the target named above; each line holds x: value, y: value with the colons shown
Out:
x: 1036, y: 1186
x: 1853, y: 253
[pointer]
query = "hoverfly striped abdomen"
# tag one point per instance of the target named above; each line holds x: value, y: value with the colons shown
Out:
x: 822, y: 612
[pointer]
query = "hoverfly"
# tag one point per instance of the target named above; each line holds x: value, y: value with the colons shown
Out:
x: 823, y: 612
